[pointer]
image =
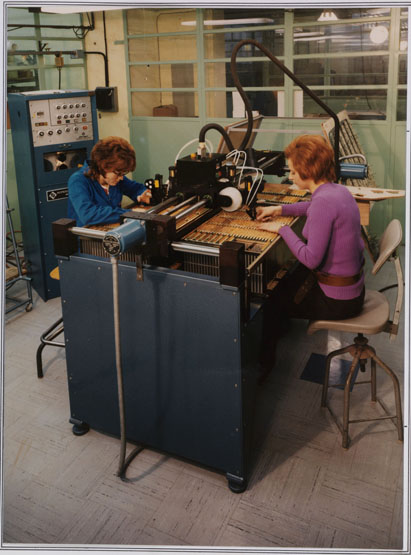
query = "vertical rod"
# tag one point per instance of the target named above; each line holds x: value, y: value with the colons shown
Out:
x: 120, y: 386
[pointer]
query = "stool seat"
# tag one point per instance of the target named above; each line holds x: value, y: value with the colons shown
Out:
x: 372, y: 319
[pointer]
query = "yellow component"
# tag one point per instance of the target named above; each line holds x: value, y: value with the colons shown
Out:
x: 193, y: 155
x: 156, y: 183
x: 58, y: 61
x: 55, y: 273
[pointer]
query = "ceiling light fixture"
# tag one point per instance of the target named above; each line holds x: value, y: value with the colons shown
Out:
x: 379, y: 34
x: 327, y: 15
x: 248, y: 21
x: 73, y: 8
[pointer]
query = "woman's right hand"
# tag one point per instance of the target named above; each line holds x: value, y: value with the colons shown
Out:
x: 267, y: 213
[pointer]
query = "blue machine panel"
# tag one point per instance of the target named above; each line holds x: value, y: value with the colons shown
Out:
x: 189, y: 363
x: 53, y: 133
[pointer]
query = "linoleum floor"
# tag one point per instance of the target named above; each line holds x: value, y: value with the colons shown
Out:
x: 304, y: 490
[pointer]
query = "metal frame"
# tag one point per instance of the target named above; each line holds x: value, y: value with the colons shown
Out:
x: 20, y: 277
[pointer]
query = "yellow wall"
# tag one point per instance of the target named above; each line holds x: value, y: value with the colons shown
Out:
x: 109, y: 123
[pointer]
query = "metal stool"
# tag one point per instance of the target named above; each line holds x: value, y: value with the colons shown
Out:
x: 47, y: 338
x: 373, y: 319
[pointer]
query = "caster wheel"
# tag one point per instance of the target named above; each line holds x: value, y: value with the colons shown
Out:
x: 237, y: 487
x: 29, y: 307
x: 80, y: 429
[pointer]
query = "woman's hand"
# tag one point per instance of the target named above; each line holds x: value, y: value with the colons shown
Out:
x: 267, y: 213
x: 270, y: 226
x: 145, y: 197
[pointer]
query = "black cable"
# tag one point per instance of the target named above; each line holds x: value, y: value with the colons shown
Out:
x: 32, y: 26
x: 297, y: 81
x: 105, y: 62
x: 105, y: 48
x: 219, y: 128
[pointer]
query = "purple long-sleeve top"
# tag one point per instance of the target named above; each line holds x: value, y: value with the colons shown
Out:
x: 333, y: 237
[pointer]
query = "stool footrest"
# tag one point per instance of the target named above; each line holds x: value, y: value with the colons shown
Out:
x: 47, y: 338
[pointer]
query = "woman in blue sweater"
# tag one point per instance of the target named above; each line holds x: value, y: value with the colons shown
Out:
x: 97, y: 189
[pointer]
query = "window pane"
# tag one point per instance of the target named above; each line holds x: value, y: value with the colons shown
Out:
x: 158, y: 49
x: 163, y: 76
x: 15, y: 45
x: 402, y: 69
x: 55, y: 19
x: 371, y: 70
x: 251, y: 74
x: 360, y: 104
x: 142, y: 21
x: 220, y: 45
x: 402, y: 105
x: 306, y: 16
x: 22, y: 80
x: 222, y: 104
x: 341, y: 38
x: 20, y: 16
x: 228, y: 17
x: 176, y: 104
x: 404, y: 36
x: 71, y: 77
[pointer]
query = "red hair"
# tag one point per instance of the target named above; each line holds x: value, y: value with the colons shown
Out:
x: 111, y: 154
x: 312, y: 157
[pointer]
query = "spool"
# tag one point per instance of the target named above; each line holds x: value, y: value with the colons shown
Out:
x: 235, y: 196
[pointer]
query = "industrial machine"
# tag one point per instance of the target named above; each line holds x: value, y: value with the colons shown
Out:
x: 163, y: 313
x: 53, y: 132
x: 174, y: 297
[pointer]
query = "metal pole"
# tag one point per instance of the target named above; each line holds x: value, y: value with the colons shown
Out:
x: 191, y: 209
x: 120, y: 386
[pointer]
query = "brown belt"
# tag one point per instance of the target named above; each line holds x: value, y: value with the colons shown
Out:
x: 338, y: 281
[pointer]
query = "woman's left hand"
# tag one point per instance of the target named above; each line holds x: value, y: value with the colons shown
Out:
x: 145, y: 197
x: 270, y: 226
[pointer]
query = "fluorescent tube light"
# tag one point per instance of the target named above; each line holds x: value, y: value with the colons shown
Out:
x: 327, y: 15
x: 250, y: 20
x: 73, y: 8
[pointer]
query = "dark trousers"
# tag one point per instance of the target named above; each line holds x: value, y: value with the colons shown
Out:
x: 295, y: 300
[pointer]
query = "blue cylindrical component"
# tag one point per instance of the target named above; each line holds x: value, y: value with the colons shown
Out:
x: 353, y: 171
x: 122, y: 238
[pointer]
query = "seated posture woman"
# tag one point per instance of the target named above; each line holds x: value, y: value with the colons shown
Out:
x: 96, y: 190
x: 329, y: 283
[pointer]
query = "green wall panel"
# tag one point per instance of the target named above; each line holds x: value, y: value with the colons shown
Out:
x: 12, y: 184
x: 157, y: 142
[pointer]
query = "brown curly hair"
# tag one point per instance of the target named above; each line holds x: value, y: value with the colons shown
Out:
x: 312, y: 157
x: 111, y: 154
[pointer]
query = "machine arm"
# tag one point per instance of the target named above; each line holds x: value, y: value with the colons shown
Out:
x: 297, y: 81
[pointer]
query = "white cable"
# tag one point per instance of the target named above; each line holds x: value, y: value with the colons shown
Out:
x: 237, y: 154
x: 207, y: 141
x: 254, y: 188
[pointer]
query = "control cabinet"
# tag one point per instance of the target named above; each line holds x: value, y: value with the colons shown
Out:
x: 53, y: 133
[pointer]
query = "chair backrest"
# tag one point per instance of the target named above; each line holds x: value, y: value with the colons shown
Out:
x: 388, y: 243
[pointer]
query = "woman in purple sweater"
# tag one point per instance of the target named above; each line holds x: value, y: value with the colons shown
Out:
x: 329, y: 284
